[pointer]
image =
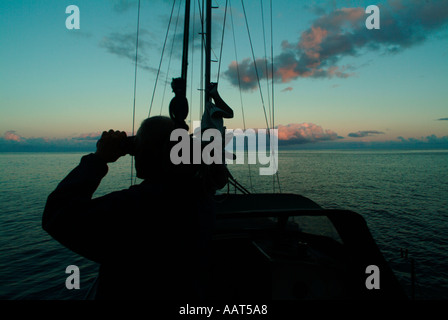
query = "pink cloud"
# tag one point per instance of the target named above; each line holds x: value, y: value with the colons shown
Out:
x: 342, y: 33
x: 311, y: 39
x: 12, y: 136
x: 90, y: 135
x: 297, y: 133
x: 288, y: 73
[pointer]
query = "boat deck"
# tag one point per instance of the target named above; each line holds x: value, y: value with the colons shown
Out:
x: 265, y: 247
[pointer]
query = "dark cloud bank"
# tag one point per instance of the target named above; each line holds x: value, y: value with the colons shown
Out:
x: 431, y: 142
x: 361, y: 134
x: 13, y: 142
x: 306, y: 136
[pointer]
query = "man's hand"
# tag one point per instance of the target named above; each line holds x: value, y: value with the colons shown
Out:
x: 109, y: 147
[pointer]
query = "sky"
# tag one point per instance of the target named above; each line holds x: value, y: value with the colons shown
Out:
x: 335, y: 83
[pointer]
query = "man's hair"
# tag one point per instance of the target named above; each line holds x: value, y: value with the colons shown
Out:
x: 153, y: 159
x: 153, y: 144
x: 154, y: 131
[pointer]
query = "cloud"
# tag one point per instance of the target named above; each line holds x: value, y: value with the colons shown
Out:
x: 342, y: 33
x: 12, y: 141
x: 442, y: 119
x: 287, y: 89
x: 12, y: 136
x: 361, y: 134
x: 315, y: 9
x: 88, y: 136
x: 81, y: 34
x: 429, y: 140
x: 244, y: 74
x: 303, y: 135
x: 428, y: 143
x: 123, y: 45
x: 300, y: 133
x: 123, y: 5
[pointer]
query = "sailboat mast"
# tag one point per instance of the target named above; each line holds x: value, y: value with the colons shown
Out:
x: 208, y: 47
x: 186, y: 38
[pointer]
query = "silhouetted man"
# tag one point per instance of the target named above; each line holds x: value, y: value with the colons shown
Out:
x: 151, y: 240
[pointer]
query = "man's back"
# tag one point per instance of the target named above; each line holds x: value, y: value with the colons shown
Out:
x: 150, y: 239
x: 163, y: 252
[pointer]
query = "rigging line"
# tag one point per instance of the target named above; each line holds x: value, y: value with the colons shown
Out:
x: 239, y: 86
x: 203, y: 33
x: 201, y: 17
x: 272, y: 62
x: 202, y: 14
x: 169, y: 60
x: 255, y: 66
x: 161, y: 59
x: 272, y: 79
x: 258, y: 81
x: 135, y: 85
x: 272, y: 119
x: 222, y: 43
x: 266, y: 60
x: 238, y: 186
x: 267, y: 79
x: 192, y: 63
x: 214, y: 53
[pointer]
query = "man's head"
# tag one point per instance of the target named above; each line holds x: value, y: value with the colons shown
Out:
x: 152, y: 147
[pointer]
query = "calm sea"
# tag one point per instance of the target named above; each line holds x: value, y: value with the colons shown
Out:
x: 403, y: 196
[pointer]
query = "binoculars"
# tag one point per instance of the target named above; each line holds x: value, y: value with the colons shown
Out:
x: 128, y: 145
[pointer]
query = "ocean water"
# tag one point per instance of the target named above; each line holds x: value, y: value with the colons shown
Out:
x: 403, y: 196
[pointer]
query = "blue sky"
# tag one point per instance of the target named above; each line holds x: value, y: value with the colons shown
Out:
x: 335, y: 81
